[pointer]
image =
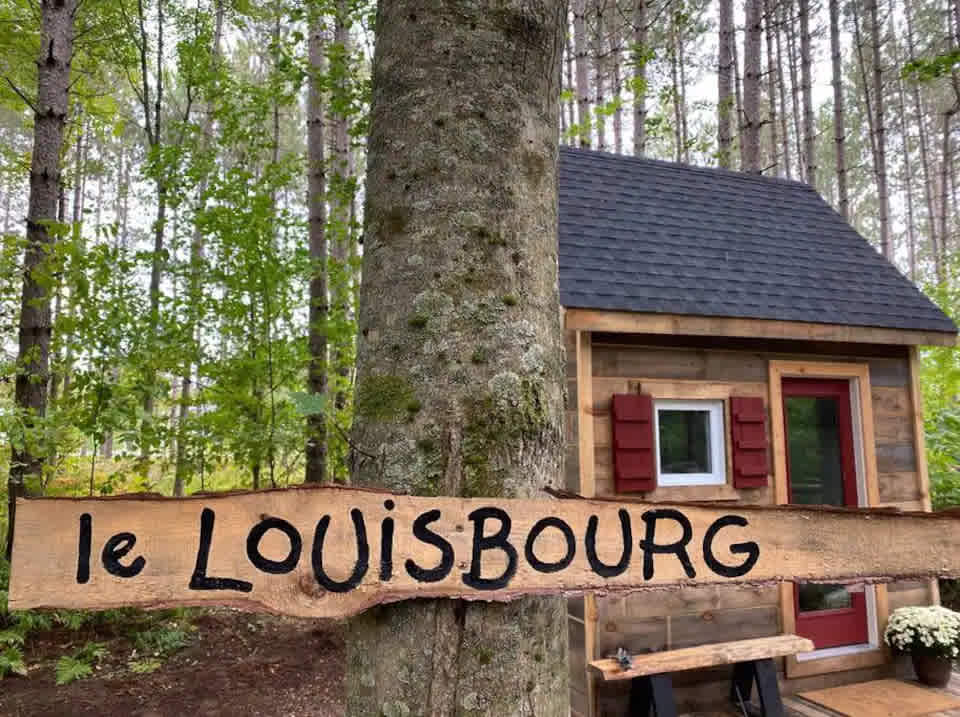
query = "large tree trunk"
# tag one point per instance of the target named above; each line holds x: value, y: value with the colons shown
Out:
x: 792, y: 62
x: 810, y: 155
x: 582, y: 60
x: 640, y: 77
x: 839, y: 129
x: 883, y: 197
x: 33, y: 357
x: 460, y: 374
x: 725, y: 85
x: 751, y: 88
x: 316, y: 445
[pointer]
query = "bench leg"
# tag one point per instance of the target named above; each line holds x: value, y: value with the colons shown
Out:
x: 764, y: 672
x: 770, y: 701
x: 653, y: 691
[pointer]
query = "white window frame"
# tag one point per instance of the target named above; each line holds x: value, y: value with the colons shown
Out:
x: 718, y: 444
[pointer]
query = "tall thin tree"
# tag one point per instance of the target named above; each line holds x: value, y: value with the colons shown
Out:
x: 725, y: 84
x: 839, y: 126
x: 33, y: 355
x: 806, y: 87
x: 750, y: 141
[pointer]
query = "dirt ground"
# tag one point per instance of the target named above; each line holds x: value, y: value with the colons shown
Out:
x: 236, y: 664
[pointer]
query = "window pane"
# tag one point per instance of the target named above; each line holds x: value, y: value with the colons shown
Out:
x: 684, y: 441
x: 816, y: 471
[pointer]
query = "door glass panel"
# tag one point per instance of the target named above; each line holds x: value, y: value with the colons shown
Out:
x: 816, y: 478
x: 812, y: 597
x: 816, y: 470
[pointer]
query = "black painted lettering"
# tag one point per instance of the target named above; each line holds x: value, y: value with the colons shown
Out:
x: 199, y: 579
x: 489, y: 542
x: 83, y: 548
x: 260, y: 561
x: 679, y: 548
x: 359, y: 567
x: 538, y: 528
x: 386, y: 549
x: 115, y: 548
x: 590, y: 540
x: 422, y: 533
x: 751, y: 549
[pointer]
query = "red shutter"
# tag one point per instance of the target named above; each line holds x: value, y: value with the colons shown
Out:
x: 632, y: 421
x: 750, y: 465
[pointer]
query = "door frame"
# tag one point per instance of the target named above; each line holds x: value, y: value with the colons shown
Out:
x: 865, y: 459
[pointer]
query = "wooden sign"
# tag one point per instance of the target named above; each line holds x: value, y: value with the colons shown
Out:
x: 330, y: 551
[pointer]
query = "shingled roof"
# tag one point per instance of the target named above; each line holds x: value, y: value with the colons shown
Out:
x: 657, y: 237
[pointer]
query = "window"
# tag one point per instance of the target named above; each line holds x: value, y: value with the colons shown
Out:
x: 690, y: 443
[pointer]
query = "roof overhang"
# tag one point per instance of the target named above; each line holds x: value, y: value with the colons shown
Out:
x: 685, y: 325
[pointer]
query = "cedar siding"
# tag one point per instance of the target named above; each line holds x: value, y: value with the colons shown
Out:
x: 697, y: 367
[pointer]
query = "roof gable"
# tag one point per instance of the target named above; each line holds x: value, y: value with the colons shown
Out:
x: 657, y: 237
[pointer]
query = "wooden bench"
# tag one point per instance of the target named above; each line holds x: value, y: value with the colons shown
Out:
x: 651, y: 685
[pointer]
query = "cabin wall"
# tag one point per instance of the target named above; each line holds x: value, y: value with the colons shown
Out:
x: 667, y: 620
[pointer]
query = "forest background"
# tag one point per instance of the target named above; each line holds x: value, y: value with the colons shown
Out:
x: 204, y: 257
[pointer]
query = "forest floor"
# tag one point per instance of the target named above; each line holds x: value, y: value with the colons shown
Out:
x: 235, y: 664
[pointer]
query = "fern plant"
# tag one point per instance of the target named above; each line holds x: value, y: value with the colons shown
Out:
x: 80, y: 664
x: 11, y: 662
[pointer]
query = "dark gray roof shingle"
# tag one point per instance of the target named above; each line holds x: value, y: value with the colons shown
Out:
x: 657, y: 237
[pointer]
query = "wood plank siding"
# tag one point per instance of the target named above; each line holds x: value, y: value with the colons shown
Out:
x: 697, y: 367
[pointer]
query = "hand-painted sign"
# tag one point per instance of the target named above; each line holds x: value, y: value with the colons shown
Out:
x: 330, y: 551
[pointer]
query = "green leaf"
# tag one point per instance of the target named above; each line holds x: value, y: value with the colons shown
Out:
x: 309, y: 404
x: 70, y: 669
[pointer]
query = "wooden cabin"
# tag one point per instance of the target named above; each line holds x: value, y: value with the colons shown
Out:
x: 730, y: 337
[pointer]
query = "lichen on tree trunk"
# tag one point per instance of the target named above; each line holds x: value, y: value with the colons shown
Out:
x: 460, y: 356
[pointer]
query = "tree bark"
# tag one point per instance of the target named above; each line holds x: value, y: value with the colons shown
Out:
x: 924, y: 151
x: 880, y: 129
x: 616, y: 89
x: 583, y: 83
x: 569, y: 86
x: 839, y: 128
x: 316, y: 444
x: 600, y: 73
x: 725, y: 85
x: 907, y: 150
x: 33, y: 357
x: 640, y: 77
x: 751, y: 88
x: 770, y: 28
x: 460, y: 373
x: 810, y: 156
x: 676, y: 92
x: 792, y: 61
x: 782, y: 88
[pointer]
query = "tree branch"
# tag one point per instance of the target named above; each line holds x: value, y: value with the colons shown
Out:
x: 21, y: 95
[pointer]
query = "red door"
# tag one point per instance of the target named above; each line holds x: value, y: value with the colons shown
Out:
x: 821, y: 470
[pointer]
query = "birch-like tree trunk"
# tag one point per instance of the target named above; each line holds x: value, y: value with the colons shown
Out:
x: 725, y: 85
x: 616, y: 82
x: 600, y: 73
x: 782, y: 91
x: 582, y: 62
x: 460, y: 361
x: 181, y: 466
x: 770, y: 31
x: 839, y: 128
x: 924, y: 151
x: 806, y: 82
x: 750, y: 141
x: 316, y: 445
x: 33, y: 356
x: 880, y: 130
x: 640, y: 77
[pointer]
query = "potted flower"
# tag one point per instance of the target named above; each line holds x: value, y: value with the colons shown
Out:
x: 931, y: 636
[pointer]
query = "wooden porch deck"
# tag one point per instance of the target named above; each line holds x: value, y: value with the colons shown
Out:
x: 798, y: 707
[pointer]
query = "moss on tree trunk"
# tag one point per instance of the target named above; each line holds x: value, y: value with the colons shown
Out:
x: 460, y: 366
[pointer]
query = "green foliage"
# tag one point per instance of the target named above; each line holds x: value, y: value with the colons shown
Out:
x: 80, y: 664
x: 11, y: 661
x: 162, y: 640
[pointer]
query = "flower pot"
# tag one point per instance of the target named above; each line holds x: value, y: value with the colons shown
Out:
x: 933, y: 671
